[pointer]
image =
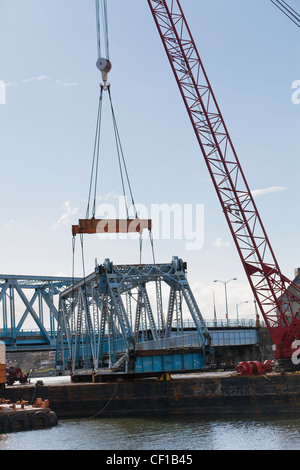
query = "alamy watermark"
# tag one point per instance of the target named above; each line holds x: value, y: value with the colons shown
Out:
x: 169, y: 222
x: 296, y: 93
x: 2, y: 92
x: 296, y: 353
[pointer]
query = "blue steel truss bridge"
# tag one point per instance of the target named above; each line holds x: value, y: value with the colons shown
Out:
x: 28, y: 309
x: 29, y: 315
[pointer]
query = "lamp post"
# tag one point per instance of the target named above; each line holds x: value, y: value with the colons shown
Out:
x: 237, y: 309
x: 226, y: 300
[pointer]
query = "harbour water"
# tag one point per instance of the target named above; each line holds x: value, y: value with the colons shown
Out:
x: 165, y: 433
x: 170, y: 433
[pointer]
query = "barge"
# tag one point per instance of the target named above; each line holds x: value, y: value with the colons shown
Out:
x: 213, y: 393
x: 21, y: 416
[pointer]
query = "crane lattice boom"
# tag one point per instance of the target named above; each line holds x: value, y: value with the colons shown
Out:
x: 276, y: 296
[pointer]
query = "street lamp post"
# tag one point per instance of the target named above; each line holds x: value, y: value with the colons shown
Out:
x: 226, y: 300
x: 237, y: 309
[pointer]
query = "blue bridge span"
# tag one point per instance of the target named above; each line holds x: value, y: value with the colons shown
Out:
x: 29, y: 315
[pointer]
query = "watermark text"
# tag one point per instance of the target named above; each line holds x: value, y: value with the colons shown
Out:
x: 169, y: 222
x: 2, y: 92
x: 296, y: 93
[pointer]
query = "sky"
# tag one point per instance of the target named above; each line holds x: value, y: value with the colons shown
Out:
x: 48, y: 52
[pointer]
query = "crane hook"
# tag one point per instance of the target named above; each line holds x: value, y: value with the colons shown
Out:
x: 104, y: 65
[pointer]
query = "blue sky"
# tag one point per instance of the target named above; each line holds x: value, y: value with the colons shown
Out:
x: 48, y: 53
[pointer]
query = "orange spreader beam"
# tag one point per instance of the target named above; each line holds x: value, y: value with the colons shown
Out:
x: 111, y: 226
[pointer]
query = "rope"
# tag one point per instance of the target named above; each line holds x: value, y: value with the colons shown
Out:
x: 97, y: 414
x: 34, y: 392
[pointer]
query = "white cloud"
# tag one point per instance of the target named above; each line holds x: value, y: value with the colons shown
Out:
x: 66, y: 216
x: 10, y: 84
x: 62, y: 84
x: 219, y: 243
x: 43, y: 78
x: 13, y: 224
x: 40, y: 78
x: 271, y: 189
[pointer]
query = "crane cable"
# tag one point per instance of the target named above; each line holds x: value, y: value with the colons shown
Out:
x: 104, y: 66
x: 288, y: 11
x: 104, y: 16
x: 101, y: 13
x: 121, y: 159
x: 95, y: 162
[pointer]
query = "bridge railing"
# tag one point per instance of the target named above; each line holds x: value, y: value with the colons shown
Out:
x: 223, y: 323
x: 174, y: 342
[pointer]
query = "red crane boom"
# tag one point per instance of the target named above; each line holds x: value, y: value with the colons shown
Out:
x: 277, y: 297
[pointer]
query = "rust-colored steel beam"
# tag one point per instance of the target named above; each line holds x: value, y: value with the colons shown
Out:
x: 111, y: 226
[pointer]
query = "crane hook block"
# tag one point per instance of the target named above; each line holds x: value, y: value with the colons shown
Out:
x: 111, y: 226
x: 104, y: 66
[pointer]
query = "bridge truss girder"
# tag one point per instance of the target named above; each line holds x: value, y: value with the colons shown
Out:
x: 99, y: 328
x: 28, y: 303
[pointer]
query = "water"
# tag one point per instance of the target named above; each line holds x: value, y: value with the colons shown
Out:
x: 194, y: 433
x: 167, y: 433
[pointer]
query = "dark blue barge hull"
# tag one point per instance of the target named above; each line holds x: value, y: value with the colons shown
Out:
x: 194, y: 394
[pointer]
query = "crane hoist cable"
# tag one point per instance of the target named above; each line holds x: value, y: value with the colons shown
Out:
x: 105, y: 27
x: 93, y: 225
x: 288, y: 11
x: 96, y: 153
x: 121, y: 160
x: 103, y: 64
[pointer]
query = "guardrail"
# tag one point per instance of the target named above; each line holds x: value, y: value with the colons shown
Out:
x: 232, y: 323
x: 187, y: 340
